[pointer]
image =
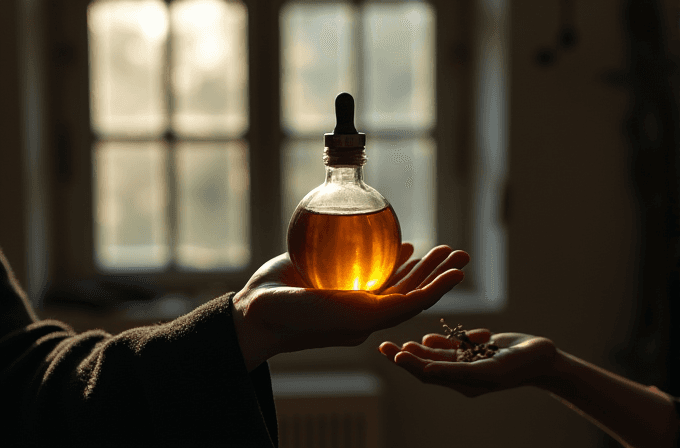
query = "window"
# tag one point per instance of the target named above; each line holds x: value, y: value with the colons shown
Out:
x: 168, y: 95
x: 384, y: 54
x: 204, y: 122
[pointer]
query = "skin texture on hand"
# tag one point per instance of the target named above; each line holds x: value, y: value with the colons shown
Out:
x: 276, y: 312
x: 634, y: 414
x: 521, y: 360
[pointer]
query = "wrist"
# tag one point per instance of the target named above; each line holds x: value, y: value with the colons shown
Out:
x: 252, y: 340
x: 632, y: 413
x: 555, y: 378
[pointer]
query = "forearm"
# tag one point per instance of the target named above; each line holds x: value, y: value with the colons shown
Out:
x: 630, y: 412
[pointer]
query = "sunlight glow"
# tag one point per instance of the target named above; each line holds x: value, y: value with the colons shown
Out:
x: 152, y: 19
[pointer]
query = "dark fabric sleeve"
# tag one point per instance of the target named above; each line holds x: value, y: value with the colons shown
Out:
x: 676, y: 401
x: 183, y: 383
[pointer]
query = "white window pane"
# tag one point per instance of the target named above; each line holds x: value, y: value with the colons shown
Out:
x: 404, y: 171
x: 213, y: 205
x: 131, y: 205
x: 210, y: 72
x: 317, y: 62
x: 399, y: 66
x: 127, y: 42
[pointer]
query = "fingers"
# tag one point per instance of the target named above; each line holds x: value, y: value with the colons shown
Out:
x: 511, y: 339
x: 435, y: 347
x: 406, y: 252
x: 393, y: 309
x: 278, y: 270
x: 441, y: 373
x: 456, y: 260
x: 421, y: 272
x: 412, y: 363
x: 431, y: 293
x: 407, y: 361
x: 417, y: 367
x: 431, y: 354
x: 431, y: 266
x: 389, y: 349
x: 479, y: 335
x: 403, y: 268
x: 461, y: 377
x: 401, y: 273
x: 423, y: 352
x: 439, y: 341
x: 422, y: 269
x: 470, y: 379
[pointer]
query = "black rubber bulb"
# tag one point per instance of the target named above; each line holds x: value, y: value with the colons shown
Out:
x: 344, y: 114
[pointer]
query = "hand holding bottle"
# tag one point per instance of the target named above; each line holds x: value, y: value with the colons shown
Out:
x: 276, y: 312
x: 522, y: 360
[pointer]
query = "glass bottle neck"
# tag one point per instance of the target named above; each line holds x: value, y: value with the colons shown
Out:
x: 345, y: 174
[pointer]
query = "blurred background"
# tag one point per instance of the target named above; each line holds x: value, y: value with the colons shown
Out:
x: 154, y: 151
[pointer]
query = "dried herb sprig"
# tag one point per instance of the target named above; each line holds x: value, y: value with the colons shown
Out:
x: 468, y: 351
x: 457, y: 333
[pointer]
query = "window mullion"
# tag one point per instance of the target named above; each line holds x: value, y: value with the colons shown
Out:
x: 170, y: 141
x: 358, y: 61
x: 453, y: 131
x: 71, y: 236
x: 264, y: 134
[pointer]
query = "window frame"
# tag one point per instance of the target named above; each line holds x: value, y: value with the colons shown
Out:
x: 71, y: 234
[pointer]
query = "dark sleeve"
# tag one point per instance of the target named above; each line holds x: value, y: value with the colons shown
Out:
x: 183, y: 383
x: 676, y: 401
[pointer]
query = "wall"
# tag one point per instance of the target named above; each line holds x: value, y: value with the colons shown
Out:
x: 571, y: 230
x: 571, y: 248
x: 12, y: 194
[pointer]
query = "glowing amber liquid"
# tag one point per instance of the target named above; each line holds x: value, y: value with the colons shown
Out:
x: 349, y: 252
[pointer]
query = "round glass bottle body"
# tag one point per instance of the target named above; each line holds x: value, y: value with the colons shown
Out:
x: 344, y: 234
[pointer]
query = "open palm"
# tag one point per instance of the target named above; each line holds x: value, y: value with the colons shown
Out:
x: 285, y: 315
x: 522, y: 359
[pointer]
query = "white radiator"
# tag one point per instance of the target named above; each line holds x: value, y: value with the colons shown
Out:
x: 328, y: 410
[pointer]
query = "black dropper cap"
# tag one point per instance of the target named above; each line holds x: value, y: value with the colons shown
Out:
x: 344, y: 114
x: 345, y: 134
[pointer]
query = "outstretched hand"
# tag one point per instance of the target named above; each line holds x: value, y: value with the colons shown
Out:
x: 276, y: 312
x: 522, y: 360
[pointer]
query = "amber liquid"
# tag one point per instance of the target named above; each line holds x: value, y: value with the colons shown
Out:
x: 349, y: 252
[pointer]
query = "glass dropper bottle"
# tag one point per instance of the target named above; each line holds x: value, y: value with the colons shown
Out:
x: 344, y: 234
